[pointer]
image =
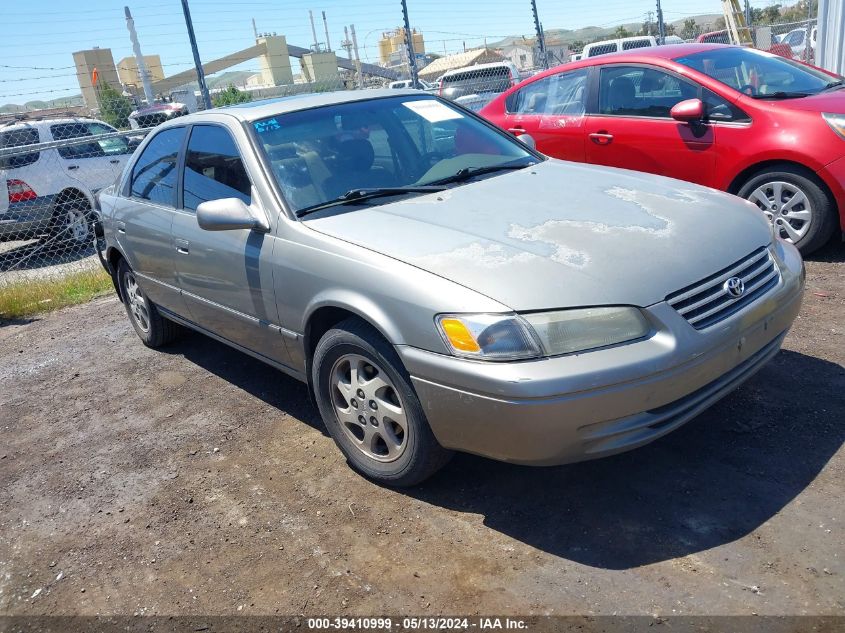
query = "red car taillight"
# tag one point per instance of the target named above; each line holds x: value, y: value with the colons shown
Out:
x: 19, y: 191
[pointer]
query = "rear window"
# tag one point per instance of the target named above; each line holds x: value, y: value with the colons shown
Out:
x: 477, y: 80
x: 632, y: 44
x: 18, y: 138
x: 603, y: 49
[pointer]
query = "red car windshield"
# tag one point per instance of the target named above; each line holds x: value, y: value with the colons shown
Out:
x: 758, y: 74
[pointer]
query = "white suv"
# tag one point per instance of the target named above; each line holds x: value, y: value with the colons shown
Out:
x: 51, y: 191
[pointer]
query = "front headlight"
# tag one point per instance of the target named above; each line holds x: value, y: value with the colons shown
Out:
x: 511, y: 337
x: 487, y: 336
x: 568, y: 331
x: 836, y: 122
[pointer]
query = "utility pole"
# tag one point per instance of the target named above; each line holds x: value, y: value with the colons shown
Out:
x: 409, y: 44
x: 747, y: 14
x: 254, y: 28
x: 661, y: 27
x: 326, y: 26
x: 541, y: 40
x: 206, y: 98
x: 357, y: 57
x: 139, y: 58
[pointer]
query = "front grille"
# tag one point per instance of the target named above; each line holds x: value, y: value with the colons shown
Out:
x: 706, y: 302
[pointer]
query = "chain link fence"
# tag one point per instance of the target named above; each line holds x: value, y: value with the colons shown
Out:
x: 50, y: 172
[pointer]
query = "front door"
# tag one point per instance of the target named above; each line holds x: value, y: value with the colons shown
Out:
x: 632, y: 128
x: 226, y: 277
x: 95, y: 164
x: 551, y: 111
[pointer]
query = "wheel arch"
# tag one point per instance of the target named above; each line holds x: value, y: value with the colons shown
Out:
x: 114, y: 257
x: 326, y: 313
x: 768, y: 165
x: 74, y: 193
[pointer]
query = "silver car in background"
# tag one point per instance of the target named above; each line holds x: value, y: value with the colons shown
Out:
x: 439, y: 285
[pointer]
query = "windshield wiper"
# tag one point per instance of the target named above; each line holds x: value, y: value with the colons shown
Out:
x: 833, y: 85
x: 470, y: 172
x: 359, y: 195
x: 782, y: 95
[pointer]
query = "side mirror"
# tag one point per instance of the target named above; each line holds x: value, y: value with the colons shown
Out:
x: 528, y: 140
x: 226, y: 214
x: 132, y: 143
x: 688, y: 111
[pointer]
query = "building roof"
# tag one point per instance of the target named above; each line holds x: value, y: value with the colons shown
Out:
x: 459, y: 60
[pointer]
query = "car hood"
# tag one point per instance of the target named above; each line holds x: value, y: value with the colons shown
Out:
x: 831, y: 101
x: 561, y: 234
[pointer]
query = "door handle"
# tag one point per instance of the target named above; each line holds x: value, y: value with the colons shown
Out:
x: 73, y: 166
x: 114, y: 161
x: 121, y: 227
x: 601, y: 138
x: 516, y: 129
x: 182, y: 246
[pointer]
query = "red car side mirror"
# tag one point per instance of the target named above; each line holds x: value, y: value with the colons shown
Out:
x: 688, y: 111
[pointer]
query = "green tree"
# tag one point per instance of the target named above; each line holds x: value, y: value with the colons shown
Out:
x: 690, y: 29
x: 114, y: 107
x: 230, y: 96
x: 621, y: 32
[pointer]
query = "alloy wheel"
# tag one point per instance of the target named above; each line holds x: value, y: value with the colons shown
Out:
x: 136, y: 303
x: 369, y: 408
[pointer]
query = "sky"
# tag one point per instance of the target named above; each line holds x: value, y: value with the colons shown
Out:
x: 37, y: 37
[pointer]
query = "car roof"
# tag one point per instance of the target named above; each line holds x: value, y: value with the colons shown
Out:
x: 636, y: 55
x: 254, y: 110
x: 45, y: 122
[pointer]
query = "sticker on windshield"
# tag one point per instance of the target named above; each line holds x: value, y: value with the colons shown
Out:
x: 264, y: 126
x: 432, y: 110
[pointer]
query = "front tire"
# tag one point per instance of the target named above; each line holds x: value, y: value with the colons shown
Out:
x: 370, y: 409
x: 152, y: 328
x: 802, y: 211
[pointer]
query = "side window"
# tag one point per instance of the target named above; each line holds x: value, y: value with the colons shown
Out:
x: 561, y: 94
x: 154, y: 175
x: 637, y: 91
x: 19, y: 138
x: 632, y: 44
x: 213, y: 168
x: 109, y: 146
x: 719, y: 109
x: 69, y: 131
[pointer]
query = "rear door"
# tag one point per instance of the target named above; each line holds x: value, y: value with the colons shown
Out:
x: 551, y: 111
x: 144, y: 215
x: 226, y: 277
x: 95, y: 164
x: 630, y: 125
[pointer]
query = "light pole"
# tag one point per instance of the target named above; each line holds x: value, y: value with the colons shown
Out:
x: 206, y: 98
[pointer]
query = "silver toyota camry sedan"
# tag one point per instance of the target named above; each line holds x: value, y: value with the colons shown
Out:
x: 440, y: 285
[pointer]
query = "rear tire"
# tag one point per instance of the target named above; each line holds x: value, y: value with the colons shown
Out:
x: 72, y: 221
x: 796, y: 201
x: 153, y: 329
x: 369, y: 407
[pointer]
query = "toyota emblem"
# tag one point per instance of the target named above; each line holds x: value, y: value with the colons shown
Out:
x: 734, y: 287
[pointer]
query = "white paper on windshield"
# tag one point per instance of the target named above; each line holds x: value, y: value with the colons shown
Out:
x: 432, y: 110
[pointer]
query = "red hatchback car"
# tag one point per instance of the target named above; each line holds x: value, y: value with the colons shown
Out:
x: 751, y: 123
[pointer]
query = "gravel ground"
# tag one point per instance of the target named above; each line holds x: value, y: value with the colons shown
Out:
x: 199, y: 481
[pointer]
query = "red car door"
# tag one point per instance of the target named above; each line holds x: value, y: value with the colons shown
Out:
x: 551, y: 110
x: 631, y: 126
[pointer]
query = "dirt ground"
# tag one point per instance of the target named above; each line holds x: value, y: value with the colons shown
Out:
x: 199, y: 481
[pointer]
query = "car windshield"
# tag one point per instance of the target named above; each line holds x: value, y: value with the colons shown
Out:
x: 321, y: 154
x: 758, y: 74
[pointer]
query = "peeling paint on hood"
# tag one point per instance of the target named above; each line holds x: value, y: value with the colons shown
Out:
x: 561, y: 234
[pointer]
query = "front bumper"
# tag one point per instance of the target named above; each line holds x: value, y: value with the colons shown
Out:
x: 583, y: 406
